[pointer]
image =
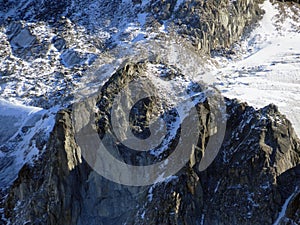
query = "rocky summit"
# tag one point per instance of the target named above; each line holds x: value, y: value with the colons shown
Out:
x: 110, y: 115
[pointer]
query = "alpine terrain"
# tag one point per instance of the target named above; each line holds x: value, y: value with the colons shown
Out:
x: 132, y: 112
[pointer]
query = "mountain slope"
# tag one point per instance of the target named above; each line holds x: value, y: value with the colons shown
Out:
x: 66, y: 70
x: 259, y: 173
x: 266, y: 67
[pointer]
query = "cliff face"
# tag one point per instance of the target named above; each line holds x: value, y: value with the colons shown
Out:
x: 253, y: 175
x: 253, y: 178
x: 209, y: 25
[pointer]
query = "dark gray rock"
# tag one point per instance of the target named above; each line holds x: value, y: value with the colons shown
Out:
x: 24, y: 44
x: 255, y: 172
x: 248, y: 183
x: 209, y: 25
x: 71, y: 58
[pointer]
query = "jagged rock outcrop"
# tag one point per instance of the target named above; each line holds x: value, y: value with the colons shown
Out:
x: 210, y: 25
x: 62, y: 39
x: 255, y: 156
x: 253, y: 175
x: 252, y: 179
x: 296, y: 1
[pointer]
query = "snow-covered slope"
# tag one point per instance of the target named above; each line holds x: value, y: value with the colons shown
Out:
x: 23, y: 133
x: 267, y: 69
x: 13, y: 117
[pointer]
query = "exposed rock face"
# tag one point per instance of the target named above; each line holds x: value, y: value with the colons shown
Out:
x: 44, y: 192
x: 296, y: 1
x: 24, y: 44
x: 255, y: 172
x: 211, y: 25
x: 260, y: 149
x: 61, y: 39
x: 291, y: 205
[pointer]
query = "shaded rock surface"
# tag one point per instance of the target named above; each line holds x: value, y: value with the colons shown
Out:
x: 255, y: 172
x: 210, y: 25
x: 249, y: 182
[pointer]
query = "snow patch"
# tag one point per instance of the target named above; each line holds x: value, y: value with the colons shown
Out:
x: 24, y: 131
x: 178, y: 3
x: 13, y: 117
x: 267, y: 66
x: 142, y: 18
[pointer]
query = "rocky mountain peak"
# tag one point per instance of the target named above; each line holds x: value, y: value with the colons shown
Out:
x: 255, y: 170
x: 87, y: 86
